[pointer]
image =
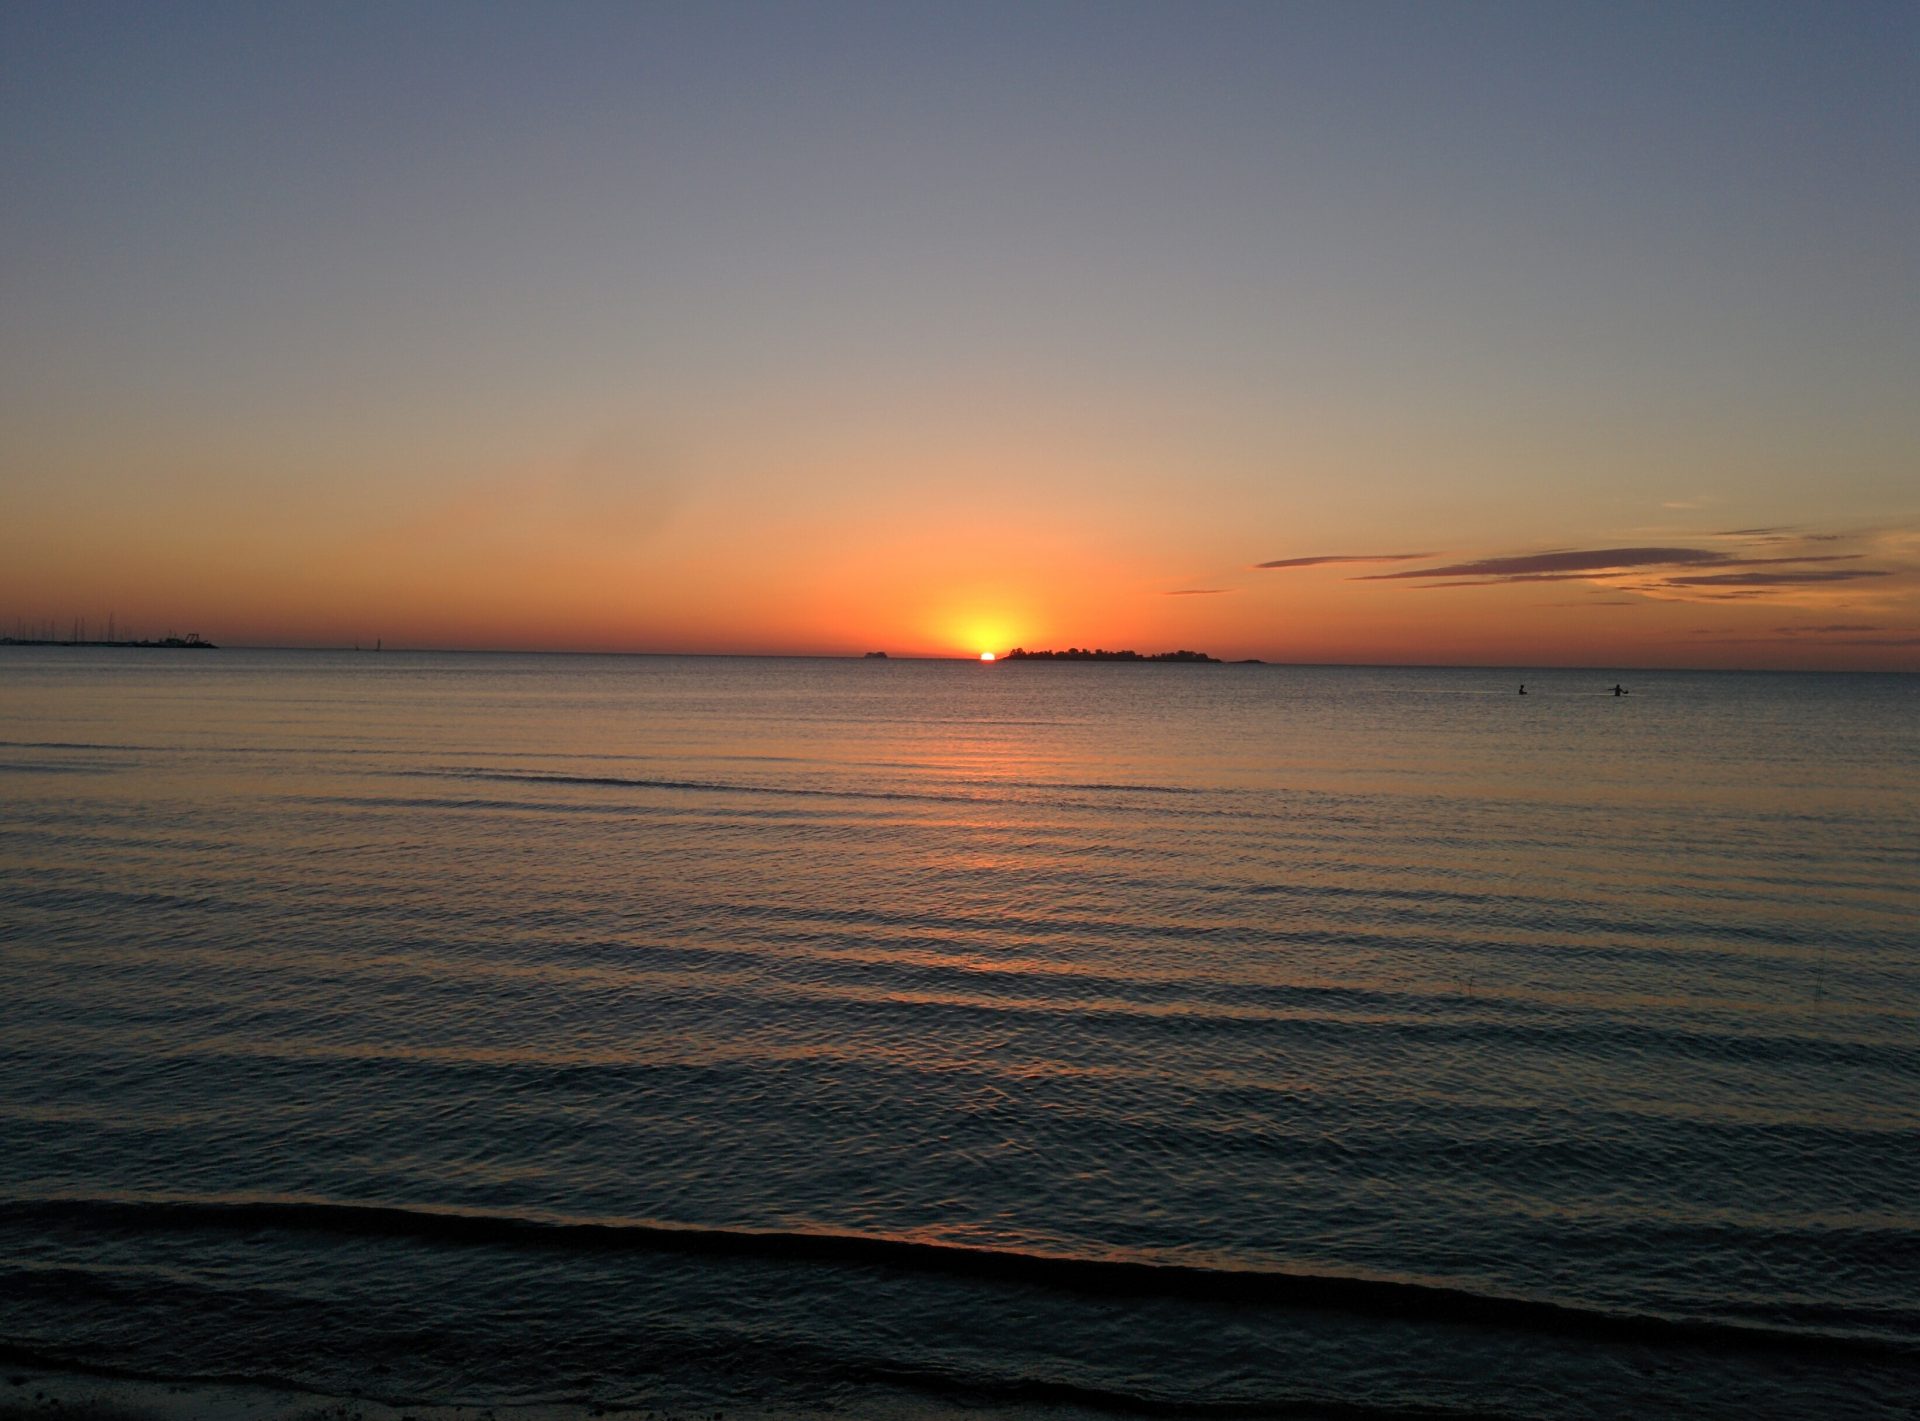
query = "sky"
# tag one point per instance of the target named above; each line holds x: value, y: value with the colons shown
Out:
x: 1491, y: 334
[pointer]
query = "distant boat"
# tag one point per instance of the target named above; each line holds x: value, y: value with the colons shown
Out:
x: 875, y: 656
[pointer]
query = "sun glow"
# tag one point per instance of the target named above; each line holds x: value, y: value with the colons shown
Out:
x: 983, y: 628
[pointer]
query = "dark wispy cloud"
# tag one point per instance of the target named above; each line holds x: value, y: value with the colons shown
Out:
x: 1200, y: 592
x: 1500, y: 581
x: 1780, y: 533
x: 1706, y: 635
x: 1775, y: 579
x: 1327, y: 558
x: 1563, y: 561
x: 1784, y: 563
x: 1831, y: 629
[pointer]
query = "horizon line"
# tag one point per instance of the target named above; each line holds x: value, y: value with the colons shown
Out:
x: 1000, y: 659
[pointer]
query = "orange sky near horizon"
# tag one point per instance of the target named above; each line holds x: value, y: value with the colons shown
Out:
x: 963, y: 586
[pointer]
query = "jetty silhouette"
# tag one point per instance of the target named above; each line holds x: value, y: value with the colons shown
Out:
x: 192, y: 641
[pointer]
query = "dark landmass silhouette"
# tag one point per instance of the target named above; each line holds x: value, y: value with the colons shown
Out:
x: 1075, y: 653
x: 876, y: 656
x: 190, y: 642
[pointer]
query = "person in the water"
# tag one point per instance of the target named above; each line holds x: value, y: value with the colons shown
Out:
x: 1618, y: 689
x: 1523, y: 688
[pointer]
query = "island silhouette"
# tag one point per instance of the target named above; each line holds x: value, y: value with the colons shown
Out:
x: 1075, y: 653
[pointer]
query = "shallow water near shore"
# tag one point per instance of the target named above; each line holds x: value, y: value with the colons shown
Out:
x: 773, y: 1035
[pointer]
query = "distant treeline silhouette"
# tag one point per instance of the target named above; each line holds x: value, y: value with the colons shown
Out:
x: 1076, y: 653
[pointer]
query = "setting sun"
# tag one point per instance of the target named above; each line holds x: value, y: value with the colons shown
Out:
x: 986, y: 656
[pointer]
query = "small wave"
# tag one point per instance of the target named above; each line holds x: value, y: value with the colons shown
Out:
x: 980, y: 788
x: 699, y: 786
x: 69, y: 745
x: 1099, y: 1276
x: 1100, y: 787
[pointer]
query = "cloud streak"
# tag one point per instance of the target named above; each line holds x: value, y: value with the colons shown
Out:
x: 1704, y: 637
x: 1673, y: 570
x: 1563, y: 561
x: 1331, y: 558
x: 1788, y: 569
x: 1500, y: 581
x: 1775, y: 579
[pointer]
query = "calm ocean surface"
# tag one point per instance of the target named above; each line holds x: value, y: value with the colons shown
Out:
x: 786, y: 1033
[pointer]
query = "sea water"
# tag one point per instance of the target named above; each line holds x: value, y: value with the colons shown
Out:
x: 786, y: 1034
